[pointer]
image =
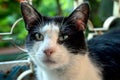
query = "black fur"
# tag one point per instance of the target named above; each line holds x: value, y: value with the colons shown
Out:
x: 105, y: 51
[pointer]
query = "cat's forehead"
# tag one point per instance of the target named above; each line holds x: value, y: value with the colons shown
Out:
x: 51, y: 24
x: 47, y: 24
x: 50, y: 27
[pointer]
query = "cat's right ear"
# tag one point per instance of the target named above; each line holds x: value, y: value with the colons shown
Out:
x: 80, y: 16
x: 30, y: 15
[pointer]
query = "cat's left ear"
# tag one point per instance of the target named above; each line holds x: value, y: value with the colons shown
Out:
x: 80, y: 16
x: 30, y: 15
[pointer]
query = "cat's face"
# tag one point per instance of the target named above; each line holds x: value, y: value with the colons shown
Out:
x: 53, y: 41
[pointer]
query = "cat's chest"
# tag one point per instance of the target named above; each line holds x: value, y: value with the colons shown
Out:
x: 80, y: 68
x: 68, y: 76
x: 44, y: 76
x: 53, y: 75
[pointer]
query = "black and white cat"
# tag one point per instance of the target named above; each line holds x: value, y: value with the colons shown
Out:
x: 58, y: 48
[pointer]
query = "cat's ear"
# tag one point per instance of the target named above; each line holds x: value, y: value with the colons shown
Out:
x: 30, y: 15
x: 80, y: 16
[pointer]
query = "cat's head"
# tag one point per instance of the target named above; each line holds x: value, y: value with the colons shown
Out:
x: 52, y: 41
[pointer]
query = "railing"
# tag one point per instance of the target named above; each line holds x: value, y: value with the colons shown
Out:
x: 96, y: 31
x: 17, y: 62
x: 107, y: 23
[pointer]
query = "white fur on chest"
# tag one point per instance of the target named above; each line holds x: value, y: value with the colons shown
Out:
x: 80, y: 68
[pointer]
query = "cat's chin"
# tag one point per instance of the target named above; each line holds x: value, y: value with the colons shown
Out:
x: 50, y: 64
x: 48, y: 61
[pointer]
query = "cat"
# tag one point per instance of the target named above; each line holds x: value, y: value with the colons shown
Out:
x: 58, y: 48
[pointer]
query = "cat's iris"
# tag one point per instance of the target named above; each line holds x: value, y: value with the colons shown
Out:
x: 62, y: 38
x: 38, y: 37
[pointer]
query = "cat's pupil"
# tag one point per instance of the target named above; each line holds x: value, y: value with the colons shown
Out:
x: 38, y: 37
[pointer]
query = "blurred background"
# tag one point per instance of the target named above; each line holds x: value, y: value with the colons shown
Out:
x: 10, y: 12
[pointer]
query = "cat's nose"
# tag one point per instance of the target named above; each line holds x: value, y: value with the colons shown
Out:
x: 49, y: 51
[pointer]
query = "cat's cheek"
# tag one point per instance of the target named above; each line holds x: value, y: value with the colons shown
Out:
x: 37, y: 52
x: 36, y: 46
x: 39, y: 60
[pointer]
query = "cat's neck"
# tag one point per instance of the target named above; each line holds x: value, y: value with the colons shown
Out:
x: 80, y: 68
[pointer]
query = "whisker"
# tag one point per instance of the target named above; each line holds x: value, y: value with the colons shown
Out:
x: 62, y: 21
x: 42, y: 20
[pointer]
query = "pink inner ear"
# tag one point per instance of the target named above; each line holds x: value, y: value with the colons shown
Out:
x: 80, y: 25
x: 21, y: 0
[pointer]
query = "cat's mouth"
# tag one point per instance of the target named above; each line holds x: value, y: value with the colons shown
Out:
x: 49, y: 61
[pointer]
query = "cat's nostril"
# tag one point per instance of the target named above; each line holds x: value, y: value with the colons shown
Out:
x: 49, y: 51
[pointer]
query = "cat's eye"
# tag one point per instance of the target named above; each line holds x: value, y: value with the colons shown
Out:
x: 63, y: 38
x: 38, y: 37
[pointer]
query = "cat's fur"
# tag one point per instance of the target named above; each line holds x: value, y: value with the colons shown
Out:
x: 58, y: 48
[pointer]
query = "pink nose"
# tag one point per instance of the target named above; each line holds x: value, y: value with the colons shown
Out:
x: 49, y: 51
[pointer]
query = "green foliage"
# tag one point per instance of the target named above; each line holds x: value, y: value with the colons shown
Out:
x: 49, y: 8
x: 100, y: 11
